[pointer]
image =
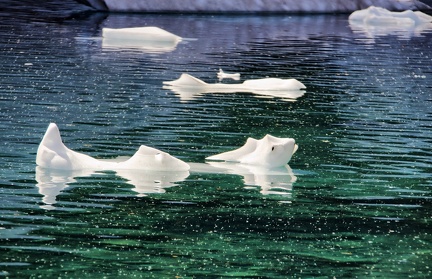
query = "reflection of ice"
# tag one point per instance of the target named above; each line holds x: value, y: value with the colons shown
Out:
x: 271, y: 180
x: 52, y: 182
x: 152, y: 182
x: 374, y: 22
x: 145, y: 46
x: 189, y: 94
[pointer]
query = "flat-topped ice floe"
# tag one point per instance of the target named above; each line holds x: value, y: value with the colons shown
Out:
x: 188, y: 87
x: 53, y: 154
x: 380, y: 16
x: 151, y: 39
x: 270, y: 152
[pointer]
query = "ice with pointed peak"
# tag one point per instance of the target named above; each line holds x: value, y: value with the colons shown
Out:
x: 270, y: 152
x: 221, y: 75
x: 150, y: 39
x: 53, y: 154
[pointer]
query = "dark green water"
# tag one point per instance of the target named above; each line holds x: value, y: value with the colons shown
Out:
x: 358, y: 203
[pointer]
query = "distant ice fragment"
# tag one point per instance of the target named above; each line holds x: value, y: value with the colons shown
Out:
x: 380, y: 16
x: 221, y: 75
x: 374, y: 22
x: 151, y: 39
x: 270, y: 151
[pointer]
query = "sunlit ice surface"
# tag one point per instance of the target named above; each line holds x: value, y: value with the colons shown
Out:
x: 355, y: 200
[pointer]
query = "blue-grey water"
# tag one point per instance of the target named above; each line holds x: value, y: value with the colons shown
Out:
x: 356, y: 201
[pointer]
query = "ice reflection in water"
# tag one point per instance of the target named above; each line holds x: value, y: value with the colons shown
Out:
x: 52, y: 183
x: 269, y: 180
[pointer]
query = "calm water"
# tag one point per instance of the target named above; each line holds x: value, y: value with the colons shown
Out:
x: 356, y: 203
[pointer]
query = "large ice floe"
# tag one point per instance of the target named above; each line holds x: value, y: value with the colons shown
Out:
x: 189, y: 87
x: 52, y: 153
x: 262, y: 163
x: 376, y: 21
x: 149, y: 39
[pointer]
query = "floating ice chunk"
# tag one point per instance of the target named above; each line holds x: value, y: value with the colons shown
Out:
x: 151, y: 39
x: 52, y: 153
x: 380, y: 16
x: 221, y: 75
x: 271, y: 152
x: 375, y: 21
x: 188, y: 87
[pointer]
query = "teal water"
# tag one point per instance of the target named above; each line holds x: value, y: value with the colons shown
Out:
x: 357, y: 202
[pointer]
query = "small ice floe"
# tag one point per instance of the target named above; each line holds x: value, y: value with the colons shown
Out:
x: 53, y: 154
x: 375, y: 21
x: 189, y: 87
x: 270, y: 152
x: 150, y: 39
x: 221, y: 75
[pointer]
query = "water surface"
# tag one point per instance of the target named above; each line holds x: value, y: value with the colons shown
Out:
x: 355, y: 203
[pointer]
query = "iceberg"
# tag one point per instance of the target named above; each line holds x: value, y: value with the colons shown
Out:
x: 150, y: 39
x: 53, y: 154
x: 376, y: 21
x: 380, y: 16
x: 188, y: 87
x: 269, y: 152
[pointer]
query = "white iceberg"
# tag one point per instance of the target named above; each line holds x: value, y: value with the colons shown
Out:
x: 270, y: 152
x: 189, y: 87
x: 221, y: 75
x: 376, y: 21
x: 53, y: 154
x: 380, y: 16
x: 150, y: 39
